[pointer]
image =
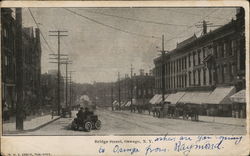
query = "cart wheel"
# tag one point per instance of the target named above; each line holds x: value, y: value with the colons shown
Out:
x: 98, y: 124
x: 87, y: 126
x: 74, y: 125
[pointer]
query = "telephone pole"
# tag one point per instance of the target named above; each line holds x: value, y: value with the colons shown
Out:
x: 112, y: 96
x: 119, y: 91
x: 131, y: 84
x: 163, y: 69
x: 58, y: 35
x: 66, y: 62
x: 70, y: 89
x: 19, y: 63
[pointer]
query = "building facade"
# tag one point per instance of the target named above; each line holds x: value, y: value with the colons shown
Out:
x: 215, y: 59
x: 20, y: 62
x: 141, y: 87
x: 8, y: 59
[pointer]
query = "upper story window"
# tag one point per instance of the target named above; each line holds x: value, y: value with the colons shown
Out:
x: 234, y: 46
x: 4, y: 32
x: 204, y: 52
x: 189, y: 60
x: 194, y: 53
x: 199, y: 54
x: 215, y: 51
x: 224, y: 49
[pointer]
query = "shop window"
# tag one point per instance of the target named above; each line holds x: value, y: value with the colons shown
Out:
x: 234, y: 48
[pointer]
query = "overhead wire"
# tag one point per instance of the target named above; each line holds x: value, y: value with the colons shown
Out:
x: 137, y: 20
x: 40, y: 31
x: 110, y: 26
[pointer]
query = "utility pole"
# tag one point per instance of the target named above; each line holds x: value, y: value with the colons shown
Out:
x: 131, y: 84
x: 66, y: 62
x: 19, y: 79
x: 119, y: 91
x: 163, y: 69
x: 112, y: 97
x: 70, y: 90
x: 58, y: 35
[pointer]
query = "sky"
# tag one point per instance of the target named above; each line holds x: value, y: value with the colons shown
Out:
x: 104, y: 41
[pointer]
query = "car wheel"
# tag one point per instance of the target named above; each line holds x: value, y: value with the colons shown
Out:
x: 87, y: 126
x: 74, y: 126
x: 98, y: 124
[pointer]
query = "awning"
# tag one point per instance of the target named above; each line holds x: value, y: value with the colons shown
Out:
x: 239, y: 97
x: 128, y: 104
x: 174, y: 98
x: 158, y: 98
x: 195, y: 97
x: 221, y: 95
x: 152, y: 100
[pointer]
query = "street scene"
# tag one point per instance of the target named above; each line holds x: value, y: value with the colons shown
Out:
x: 123, y: 71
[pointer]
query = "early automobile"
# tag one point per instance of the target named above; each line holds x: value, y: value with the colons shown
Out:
x: 89, y: 123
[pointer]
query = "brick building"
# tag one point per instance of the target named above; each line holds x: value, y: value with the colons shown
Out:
x: 20, y: 62
x: 8, y: 58
x: 142, y: 87
x: 209, y: 68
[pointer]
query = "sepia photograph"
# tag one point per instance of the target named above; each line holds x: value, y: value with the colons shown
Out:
x: 138, y: 71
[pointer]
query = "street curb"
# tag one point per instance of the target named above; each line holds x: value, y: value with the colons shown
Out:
x: 202, y: 121
x: 30, y: 130
x: 43, y: 125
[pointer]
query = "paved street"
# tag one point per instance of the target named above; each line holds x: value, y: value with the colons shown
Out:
x: 124, y: 122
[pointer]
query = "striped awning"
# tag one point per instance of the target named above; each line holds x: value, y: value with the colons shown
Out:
x: 239, y: 97
x: 221, y: 95
x: 174, y: 98
x: 195, y: 97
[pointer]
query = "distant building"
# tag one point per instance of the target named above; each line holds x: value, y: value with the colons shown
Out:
x: 49, y: 89
x: 214, y: 61
x: 31, y: 49
x: 141, y: 86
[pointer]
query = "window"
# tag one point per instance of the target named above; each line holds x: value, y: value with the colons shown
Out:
x: 222, y: 74
x: 234, y: 47
x: 215, y: 51
x: 204, y: 77
x: 6, y: 61
x: 230, y: 48
x: 189, y: 60
x: 193, y: 58
x: 4, y: 32
x: 189, y: 78
x: 194, y: 77
x: 199, y: 77
x: 221, y: 50
x: 230, y: 71
x: 210, y: 76
x: 204, y: 52
x: 199, y: 59
x: 225, y: 49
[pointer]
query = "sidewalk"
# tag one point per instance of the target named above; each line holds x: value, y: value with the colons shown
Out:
x: 221, y: 120
x: 29, y: 125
